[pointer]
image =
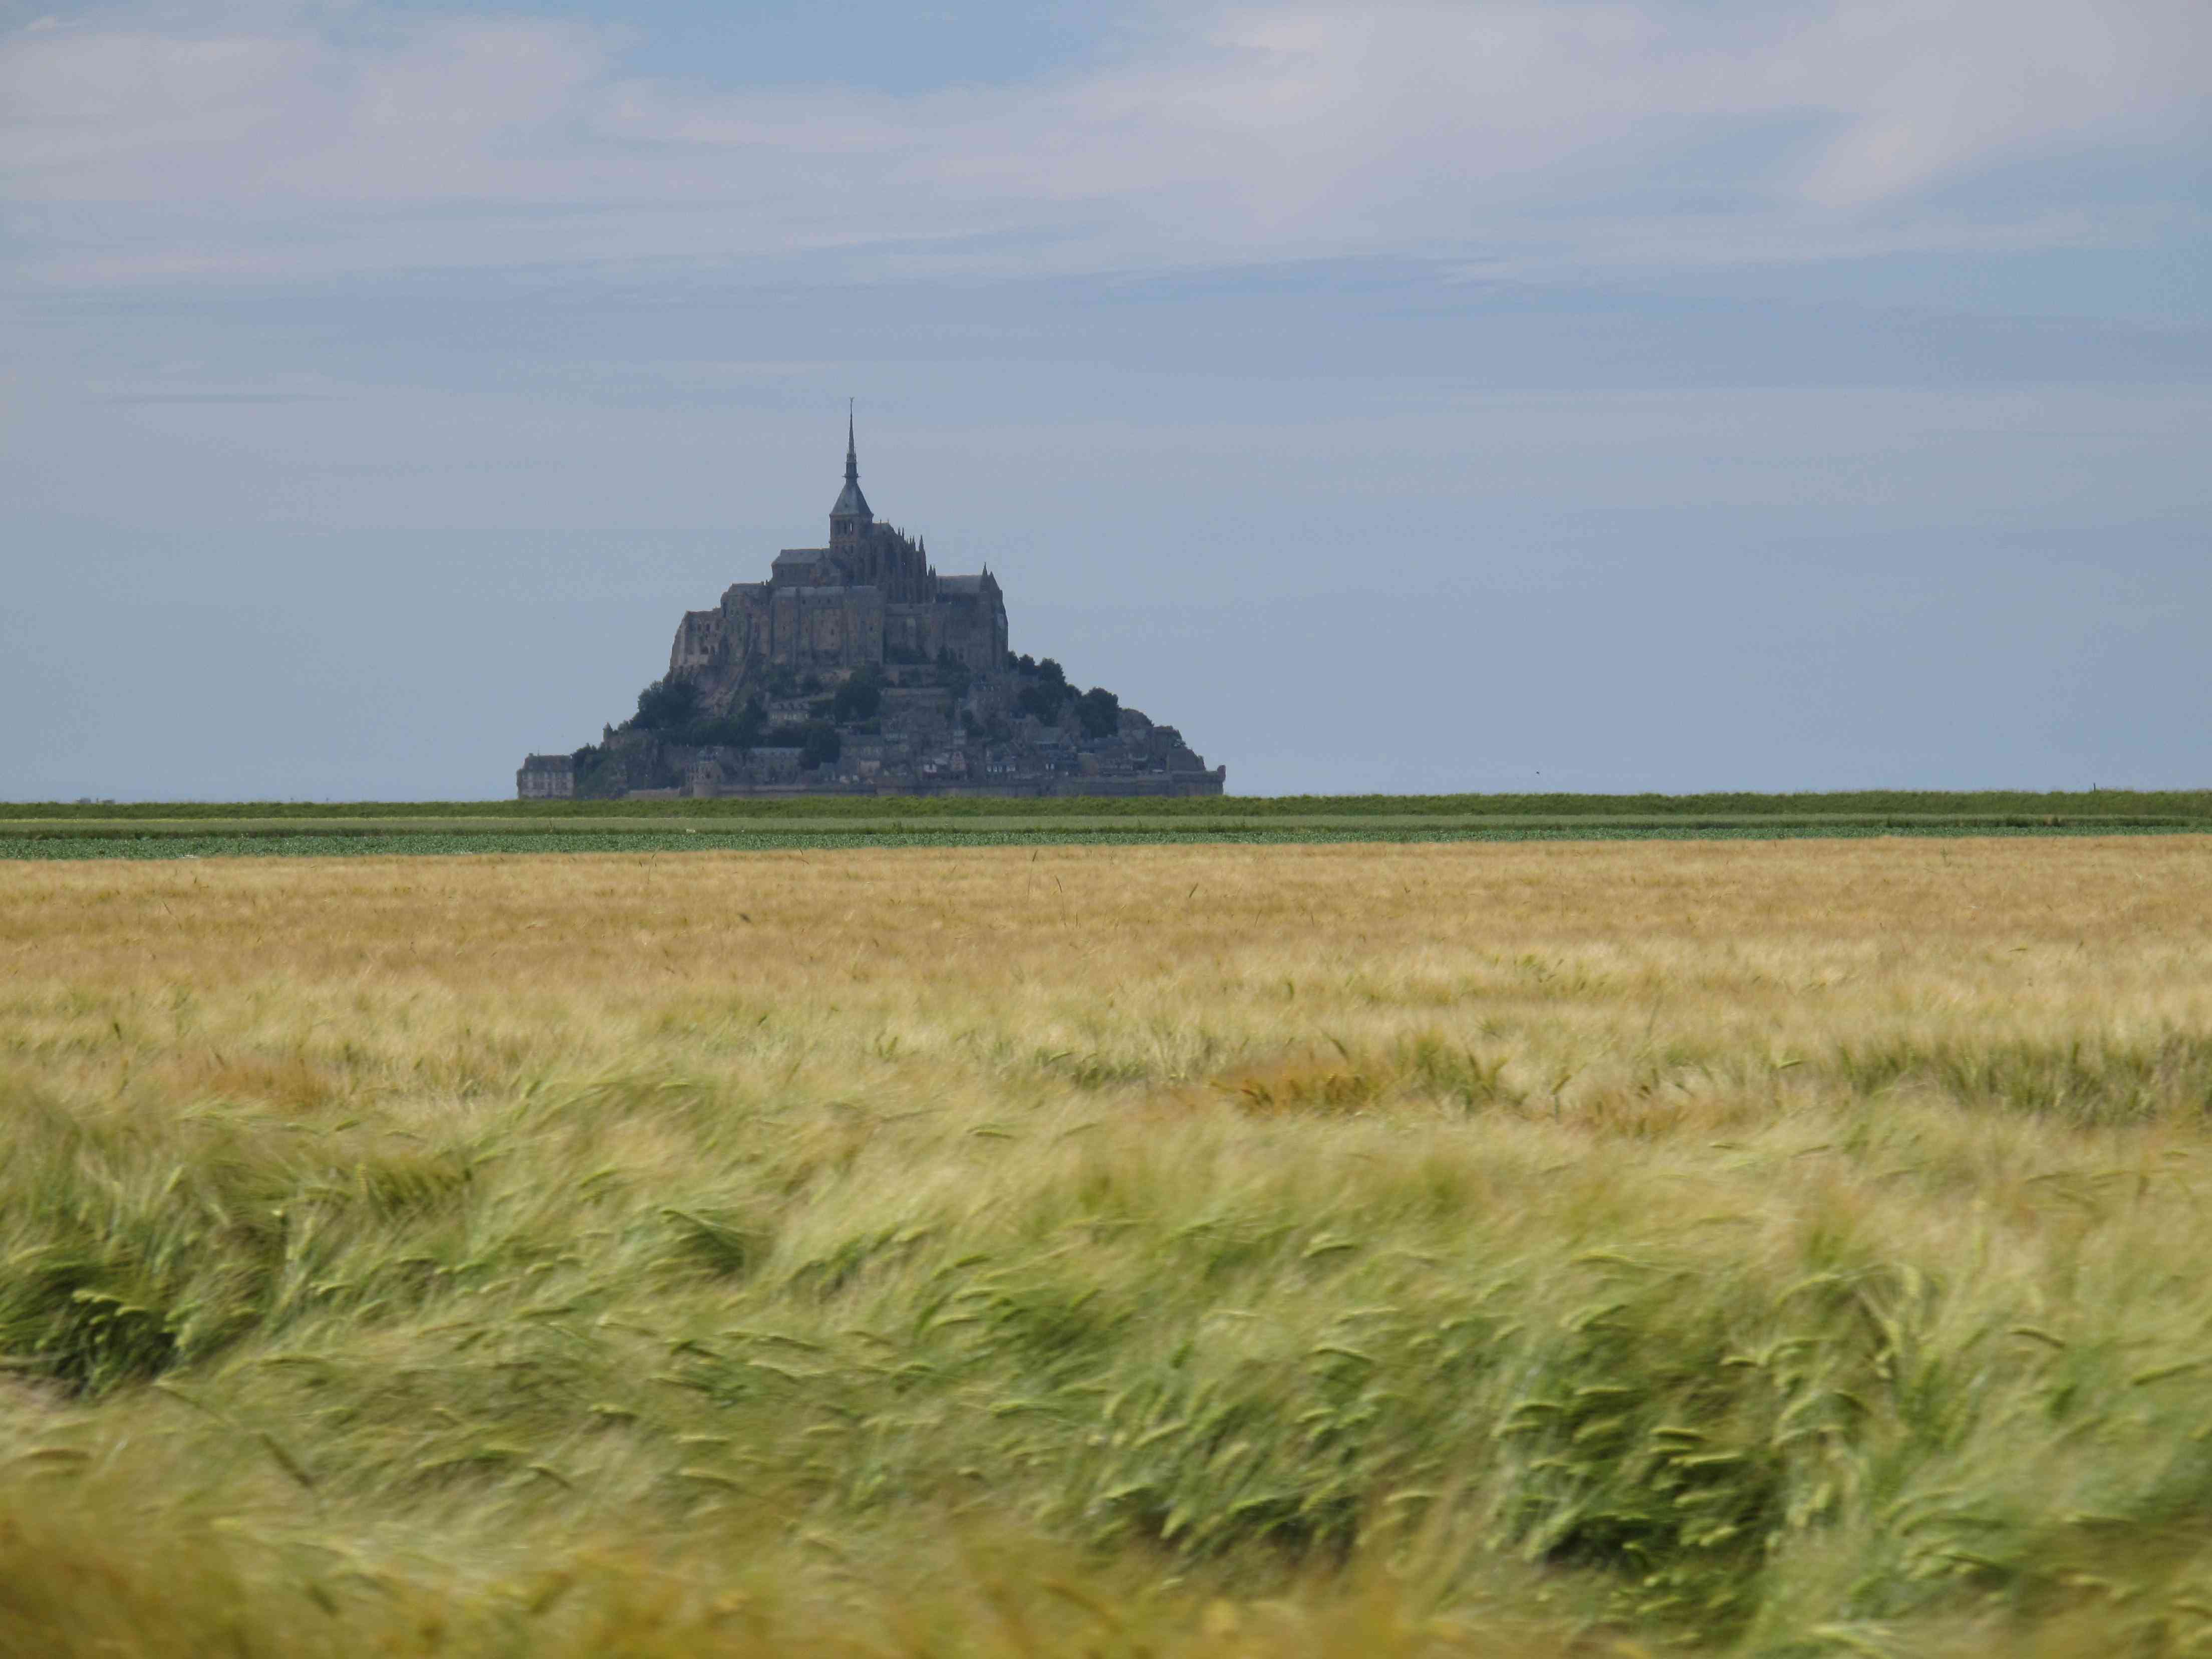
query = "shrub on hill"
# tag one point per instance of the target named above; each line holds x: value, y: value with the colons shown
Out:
x: 860, y: 697
x: 954, y: 675
x: 666, y: 705
x: 1099, y: 712
x: 819, y: 743
x: 740, y: 730
x: 1041, y: 701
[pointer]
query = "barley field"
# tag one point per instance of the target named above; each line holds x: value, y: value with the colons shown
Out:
x: 1546, y: 1249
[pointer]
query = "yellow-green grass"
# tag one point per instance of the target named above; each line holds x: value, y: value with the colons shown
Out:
x: 1772, y: 1247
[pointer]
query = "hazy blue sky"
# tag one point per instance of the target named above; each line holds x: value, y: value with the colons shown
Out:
x: 1470, y: 396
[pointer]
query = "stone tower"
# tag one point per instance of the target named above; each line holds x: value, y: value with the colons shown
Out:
x: 850, y: 519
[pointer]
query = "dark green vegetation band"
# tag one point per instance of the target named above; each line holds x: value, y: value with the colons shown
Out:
x: 2177, y: 805
x: 400, y: 841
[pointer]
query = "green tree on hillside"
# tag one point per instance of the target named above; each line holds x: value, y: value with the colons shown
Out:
x: 861, y: 695
x: 740, y: 730
x: 1099, y: 712
x: 1041, y: 701
x: 666, y: 703
x: 954, y: 675
x: 820, y: 745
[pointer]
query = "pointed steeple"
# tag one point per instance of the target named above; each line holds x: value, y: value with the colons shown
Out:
x: 851, y: 509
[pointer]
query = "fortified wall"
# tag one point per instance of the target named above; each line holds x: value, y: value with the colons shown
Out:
x: 856, y: 669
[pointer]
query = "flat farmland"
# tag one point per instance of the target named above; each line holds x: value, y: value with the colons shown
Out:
x: 187, y: 829
x: 1526, y: 1247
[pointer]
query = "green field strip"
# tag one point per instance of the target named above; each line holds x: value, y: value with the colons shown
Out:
x: 335, y: 845
x: 1011, y: 824
x: 994, y: 811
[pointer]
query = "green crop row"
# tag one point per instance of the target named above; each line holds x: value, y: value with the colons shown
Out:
x: 172, y: 843
x: 2174, y: 805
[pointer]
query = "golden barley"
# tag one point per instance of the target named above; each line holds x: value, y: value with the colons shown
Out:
x: 1789, y: 1246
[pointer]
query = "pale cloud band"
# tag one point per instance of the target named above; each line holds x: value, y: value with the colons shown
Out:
x: 1593, y: 134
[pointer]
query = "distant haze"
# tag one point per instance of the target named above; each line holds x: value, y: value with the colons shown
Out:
x: 1466, y: 397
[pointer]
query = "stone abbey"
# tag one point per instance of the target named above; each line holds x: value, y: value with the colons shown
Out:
x: 856, y: 669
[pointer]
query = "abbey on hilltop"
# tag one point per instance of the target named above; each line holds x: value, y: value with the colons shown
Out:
x: 856, y: 669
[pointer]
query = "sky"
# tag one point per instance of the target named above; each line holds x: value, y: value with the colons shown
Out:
x: 1621, y: 396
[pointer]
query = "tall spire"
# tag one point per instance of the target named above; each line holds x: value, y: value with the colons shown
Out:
x: 852, y: 509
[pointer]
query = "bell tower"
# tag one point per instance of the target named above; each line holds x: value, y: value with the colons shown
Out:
x: 850, y: 519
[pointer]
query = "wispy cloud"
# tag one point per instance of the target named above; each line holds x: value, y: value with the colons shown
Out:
x: 1605, y: 131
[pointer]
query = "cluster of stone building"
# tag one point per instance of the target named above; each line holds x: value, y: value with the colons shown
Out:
x: 954, y: 711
